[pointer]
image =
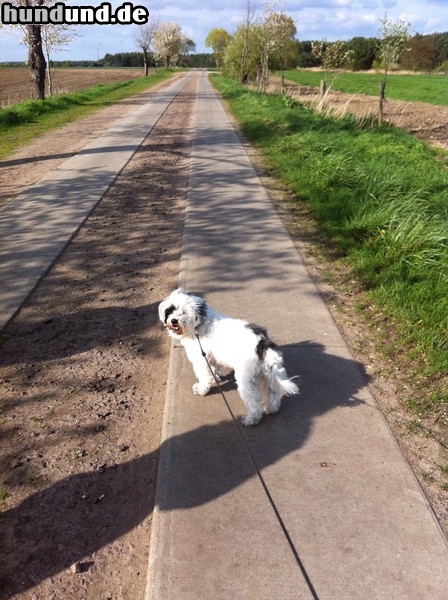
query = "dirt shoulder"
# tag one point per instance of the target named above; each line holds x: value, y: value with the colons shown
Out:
x: 82, y: 378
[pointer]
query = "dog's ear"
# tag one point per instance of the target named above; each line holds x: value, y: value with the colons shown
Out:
x: 200, y: 311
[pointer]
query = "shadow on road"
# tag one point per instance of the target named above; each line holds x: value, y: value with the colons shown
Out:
x: 100, y: 506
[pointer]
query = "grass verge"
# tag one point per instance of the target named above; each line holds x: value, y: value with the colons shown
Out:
x: 21, y: 123
x: 381, y: 203
x: 432, y: 89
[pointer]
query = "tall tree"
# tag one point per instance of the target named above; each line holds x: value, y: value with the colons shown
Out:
x: 283, y: 30
x: 260, y: 44
x: 170, y: 43
x: 421, y: 54
x: 244, y: 43
x: 40, y: 40
x: 306, y: 58
x: 143, y: 37
x: 441, y: 42
x: 246, y: 35
x: 277, y: 33
x: 363, y: 52
x: 55, y: 37
x: 218, y: 39
x: 36, y: 59
x: 32, y: 37
x: 395, y: 37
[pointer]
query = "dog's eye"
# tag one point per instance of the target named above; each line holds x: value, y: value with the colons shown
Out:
x: 169, y: 311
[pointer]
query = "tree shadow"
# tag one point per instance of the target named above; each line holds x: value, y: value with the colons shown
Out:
x: 73, y: 518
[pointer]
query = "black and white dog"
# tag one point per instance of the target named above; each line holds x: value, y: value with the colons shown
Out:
x: 231, y: 343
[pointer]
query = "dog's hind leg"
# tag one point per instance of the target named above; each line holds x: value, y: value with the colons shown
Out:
x: 250, y: 394
x: 270, y: 395
x: 277, y: 380
x: 273, y: 401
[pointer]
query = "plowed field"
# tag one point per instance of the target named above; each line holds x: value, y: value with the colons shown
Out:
x: 15, y: 85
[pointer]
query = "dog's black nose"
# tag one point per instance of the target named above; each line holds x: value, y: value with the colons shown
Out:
x: 174, y: 322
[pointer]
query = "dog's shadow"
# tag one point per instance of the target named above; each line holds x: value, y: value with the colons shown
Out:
x: 211, y: 460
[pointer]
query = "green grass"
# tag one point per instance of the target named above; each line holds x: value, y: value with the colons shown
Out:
x: 21, y: 123
x: 410, y: 88
x: 379, y: 196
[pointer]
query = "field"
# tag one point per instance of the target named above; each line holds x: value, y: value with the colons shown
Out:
x: 15, y: 86
x: 410, y: 88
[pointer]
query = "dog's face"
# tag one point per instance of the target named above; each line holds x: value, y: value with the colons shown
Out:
x: 182, y: 313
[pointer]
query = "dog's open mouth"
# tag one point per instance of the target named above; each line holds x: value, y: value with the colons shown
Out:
x: 177, y: 328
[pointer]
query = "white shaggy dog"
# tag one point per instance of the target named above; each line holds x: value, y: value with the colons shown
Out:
x: 232, y: 343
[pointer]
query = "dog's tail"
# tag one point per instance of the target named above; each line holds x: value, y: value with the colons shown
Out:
x: 276, y: 374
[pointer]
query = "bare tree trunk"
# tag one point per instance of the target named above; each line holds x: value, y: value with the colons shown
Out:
x: 49, y: 75
x: 381, y: 103
x: 36, y: 62
x: 244, y: 76
x: 264, y: 80
x: 145, y: 61
x: 283, y: 73
x: 323, y: 89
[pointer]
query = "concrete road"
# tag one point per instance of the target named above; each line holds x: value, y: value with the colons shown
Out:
x: 316, y: 501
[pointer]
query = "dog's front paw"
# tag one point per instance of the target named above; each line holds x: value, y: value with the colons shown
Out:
x: 251, y: 420
x: 201, y: 389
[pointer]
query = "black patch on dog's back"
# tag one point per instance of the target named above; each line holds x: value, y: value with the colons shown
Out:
x: 168, y: 311
x: 264, y: 342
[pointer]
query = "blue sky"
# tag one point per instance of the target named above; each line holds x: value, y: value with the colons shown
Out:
x: 314, y: 19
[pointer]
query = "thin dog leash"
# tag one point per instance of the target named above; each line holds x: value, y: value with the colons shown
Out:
x: 262, y: 481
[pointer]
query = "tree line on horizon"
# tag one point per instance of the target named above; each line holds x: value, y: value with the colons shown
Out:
x: 423, y: 53
x: 426, y: 53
